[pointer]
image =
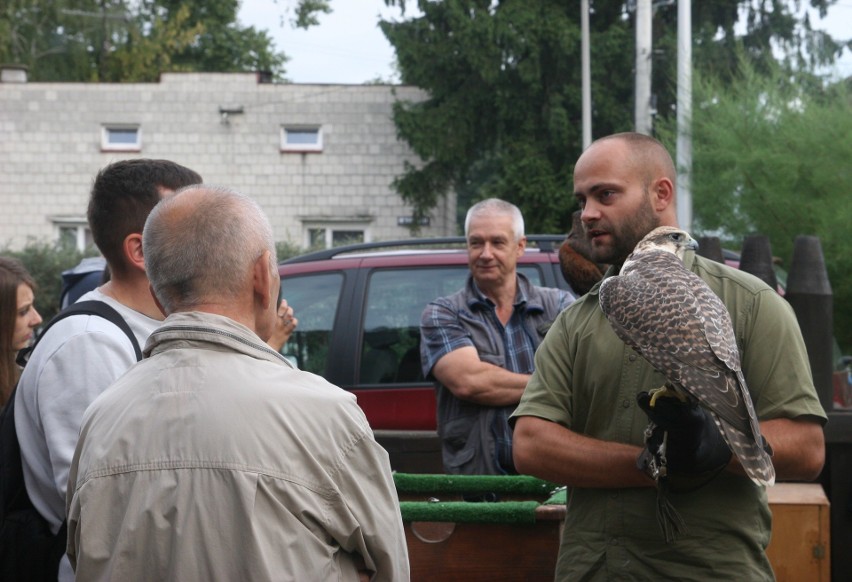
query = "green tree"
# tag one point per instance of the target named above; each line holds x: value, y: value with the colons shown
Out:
x: 141, y: 57
x: 221, y: 43
x: 125, y: 40
x: 502, y: 116
x: 724, y: 32
x: 771, y: 156
x: 55, y: 40
x: 503, y: 113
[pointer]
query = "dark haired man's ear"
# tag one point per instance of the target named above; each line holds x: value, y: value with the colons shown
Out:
x: 133, y: 251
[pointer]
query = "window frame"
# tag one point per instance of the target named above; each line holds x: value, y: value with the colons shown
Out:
x: 82, y: 232
x: 330, y: 228
x: 302, y: 148
x: 108, y: 146
x: 305, y: 337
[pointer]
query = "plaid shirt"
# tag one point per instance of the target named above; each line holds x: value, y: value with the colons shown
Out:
x: 442, y: 331
x: 446, y: 327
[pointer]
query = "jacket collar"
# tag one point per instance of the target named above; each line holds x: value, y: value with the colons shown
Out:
x: 187, y: 328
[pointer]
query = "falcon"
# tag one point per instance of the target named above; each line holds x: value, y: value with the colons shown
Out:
x: 672, y: 318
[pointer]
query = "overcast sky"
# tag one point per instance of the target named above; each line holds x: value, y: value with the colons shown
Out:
x: 348, y: 47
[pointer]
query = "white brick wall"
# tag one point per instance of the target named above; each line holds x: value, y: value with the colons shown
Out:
x: 50, y: 149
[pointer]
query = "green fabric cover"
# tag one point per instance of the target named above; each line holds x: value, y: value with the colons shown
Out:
x: 559, y: 497
x: 505, y: 512
x: 505, y: 484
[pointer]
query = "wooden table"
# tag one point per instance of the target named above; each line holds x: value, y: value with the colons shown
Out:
x: 469, y: 552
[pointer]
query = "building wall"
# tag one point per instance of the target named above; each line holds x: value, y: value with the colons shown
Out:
x: 50, y: 149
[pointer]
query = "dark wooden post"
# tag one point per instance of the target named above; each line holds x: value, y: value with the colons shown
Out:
x: 709, y: 247
x: 809, y: 292
x: 756, y: 258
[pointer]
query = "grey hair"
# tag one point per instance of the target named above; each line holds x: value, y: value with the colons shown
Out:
x: 206, y: 251
x: 493, y: 206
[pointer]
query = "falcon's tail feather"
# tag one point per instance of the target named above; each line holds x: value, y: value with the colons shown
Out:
x: 752, y: 456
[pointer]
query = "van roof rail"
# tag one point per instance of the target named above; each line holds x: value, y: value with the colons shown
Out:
x: 544, y: 242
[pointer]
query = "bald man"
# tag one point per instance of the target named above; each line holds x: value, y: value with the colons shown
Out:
x: 578, y: 422
x: 214, y: 458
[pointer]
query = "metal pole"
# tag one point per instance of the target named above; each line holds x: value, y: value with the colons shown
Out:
x: 585, y: 57
x: 684, y: 114
x: 642, y: 119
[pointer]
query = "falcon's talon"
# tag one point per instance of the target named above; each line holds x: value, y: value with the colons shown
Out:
x: 665, y: 392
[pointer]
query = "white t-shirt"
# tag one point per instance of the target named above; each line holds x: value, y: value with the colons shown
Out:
x: 76, y: 360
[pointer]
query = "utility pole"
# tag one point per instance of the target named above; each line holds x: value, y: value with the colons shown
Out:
x: 684, y: 114
x: 642, y: 118
x: 586, y: 66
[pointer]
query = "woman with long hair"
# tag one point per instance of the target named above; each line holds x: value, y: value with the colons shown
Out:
x: 18, y: 319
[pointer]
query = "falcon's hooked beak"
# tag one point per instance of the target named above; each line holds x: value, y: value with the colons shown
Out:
x: 679, y: 242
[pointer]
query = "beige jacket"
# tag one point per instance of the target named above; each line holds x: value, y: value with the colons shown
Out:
x: 215, y: 459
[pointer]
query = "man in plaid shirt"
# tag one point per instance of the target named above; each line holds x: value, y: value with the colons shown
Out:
x: 478, y: 344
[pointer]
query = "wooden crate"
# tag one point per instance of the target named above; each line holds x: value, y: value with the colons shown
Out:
x: 798, y: 552
x: 473, y: 552
x: 800, y: 546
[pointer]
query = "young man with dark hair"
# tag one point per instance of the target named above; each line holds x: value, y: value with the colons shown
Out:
x: 83, y: 354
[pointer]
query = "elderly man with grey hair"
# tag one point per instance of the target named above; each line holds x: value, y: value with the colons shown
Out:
x: 478, y: 344
x: 214, y: 458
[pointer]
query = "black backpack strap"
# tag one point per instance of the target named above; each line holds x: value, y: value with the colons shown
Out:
x: 98, y: 308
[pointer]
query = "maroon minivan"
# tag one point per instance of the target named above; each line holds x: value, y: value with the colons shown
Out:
x: 359, y: 310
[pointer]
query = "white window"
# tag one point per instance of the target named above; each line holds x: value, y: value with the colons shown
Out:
x: 74, y: 233
x: 121, y: 138
x: 301, y: 138
x: 323, y: 236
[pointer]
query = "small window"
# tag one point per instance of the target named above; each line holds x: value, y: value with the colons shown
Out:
x: 124, y: 138
x: 316, y: 238
x: 315, y: 300
x: 340, y: 238
x: 533, y: 273
x: 301, y: 139
x: 390, y: 344
x: 324, y: 237
x: 73, y: 233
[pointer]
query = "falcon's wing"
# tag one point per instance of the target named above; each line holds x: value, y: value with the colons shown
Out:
x: 654, y: 309
x: 674, y: 320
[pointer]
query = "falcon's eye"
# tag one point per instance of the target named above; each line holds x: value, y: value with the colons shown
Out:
x: 676, y: 236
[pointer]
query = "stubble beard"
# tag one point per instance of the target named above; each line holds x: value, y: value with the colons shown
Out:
x: 627, y: 235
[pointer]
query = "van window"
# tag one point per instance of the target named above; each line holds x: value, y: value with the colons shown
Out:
x: 390, y: 341
x: 317, y: 297
x: 533, y: 273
